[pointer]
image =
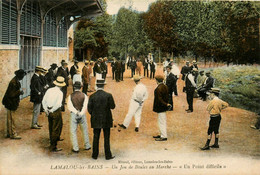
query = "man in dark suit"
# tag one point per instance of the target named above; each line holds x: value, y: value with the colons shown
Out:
x: 152, y: 69
x: 160, y: 106
x: 145, y: 63
x: 104, y: 68
x: 170, y: 81
x: 122, y: 70
x: 194, y: 65
x: 37, y: 92
x: 190, y: 88
x: 62, y: 71
x: 206, y: 86
x: 74, y: 68
x: 185, y: 70
x: 99, y: 107
x: 11, y: 102
x: 50, y: 76
x: 117, y: 70
x: 133, y: 66
x: 113, y: 68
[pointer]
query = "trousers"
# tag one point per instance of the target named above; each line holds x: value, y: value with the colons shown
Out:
x: 162, y: 123
x: 74, y: 122
x: 106, y: 132
x: 189, y: 96
x: 134, y: 110
x: 10, y: 123
x: 55, y: 127
x: 36, y: 113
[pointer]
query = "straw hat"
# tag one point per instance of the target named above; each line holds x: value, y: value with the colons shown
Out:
x: 159, y: 78
x: 137, y: 78
x: 39, y: 68
x: 215, y: 90
x: 60, y: 81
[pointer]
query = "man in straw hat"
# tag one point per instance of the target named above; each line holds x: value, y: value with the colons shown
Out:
x: 160, y: 106
x: 77, y: 105
x: 11, y: 102
x: 37, y: 92
x: 99, y: 107
x: 215, y: 107
x: 140, y: 94
x: 52, y: 103
x: 190, y: 87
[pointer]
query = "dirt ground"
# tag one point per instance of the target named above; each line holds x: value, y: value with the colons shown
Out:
x: 239, y: 151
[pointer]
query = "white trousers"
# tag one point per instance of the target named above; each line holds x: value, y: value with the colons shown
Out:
x: 162, y: 123
x: 134, y: 110
x: 74, y: 122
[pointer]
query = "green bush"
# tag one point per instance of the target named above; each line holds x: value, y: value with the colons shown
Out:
x: 240, y: 86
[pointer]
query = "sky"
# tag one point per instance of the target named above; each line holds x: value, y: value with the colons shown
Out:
x: 140, y: 5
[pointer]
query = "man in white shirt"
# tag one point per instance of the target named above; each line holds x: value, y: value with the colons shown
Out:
x: 165, y: 64
x: 77, y: 77
x: 176, y: 72
x: 140, y: 94
x: 52, y: 102
x: 190, y: 88
x: 77, y: 105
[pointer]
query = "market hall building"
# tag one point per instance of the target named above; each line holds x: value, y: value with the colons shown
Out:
x: 34, y: 32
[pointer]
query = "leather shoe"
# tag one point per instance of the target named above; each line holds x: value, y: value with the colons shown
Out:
x: 56, y: 150
x: 94, y: 158
x: 16, y: 137
x: 109, y: 158
x: 189, y: 111
x: 136, y: 129
x: 75, y: 151
x: 60, y: 140
x: 35, y: 127
x: 122, y: 126
x: 157, y: 137
x: 87, y: 149
x: 206, y: 147
x: 214, y: 146
x: 39, y: 125
x: 161, y: 139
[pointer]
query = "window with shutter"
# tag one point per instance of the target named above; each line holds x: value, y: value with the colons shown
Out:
x: 62, y: 35
x: 8, y: 22
x: 50, y: 30
x: 31, y: 19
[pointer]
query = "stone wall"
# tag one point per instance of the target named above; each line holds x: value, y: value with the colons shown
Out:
x: 8, y: 64
x: 52, y: 55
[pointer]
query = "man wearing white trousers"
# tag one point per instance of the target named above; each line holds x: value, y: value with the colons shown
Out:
x: 140, y: 94
x: 77, y: 105
x: 160, y: 106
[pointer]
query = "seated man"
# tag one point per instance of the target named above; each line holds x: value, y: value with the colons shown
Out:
x: 206, y: 86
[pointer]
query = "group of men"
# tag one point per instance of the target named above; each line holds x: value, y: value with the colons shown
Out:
x: 49, y: 90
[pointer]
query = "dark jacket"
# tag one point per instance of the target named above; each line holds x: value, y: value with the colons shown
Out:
x: 170, y: 82
x: 97, y: 68
x: 104, y: 67
x: 37, y: 89
x: 133, y: 64
x: 209, y: 83
x: 99, y: 107
x: 113, y: 66
x: 73, y: 70
x: 12, y: 95
x: 184, y: 71
x: 122, y: 66
x: 152, y: 67
x: 50, y: 77
x: 161, y: 98
x: 117, y: 66
x: 63, y: 73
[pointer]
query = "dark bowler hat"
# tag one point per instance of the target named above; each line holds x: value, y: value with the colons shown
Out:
x: 77, y: 84
x: 101, y: 82
x: 202, y: 71
x: 208, y: 72
x: 54, y: 65
x: 169, y: 67
x: 20, y: 72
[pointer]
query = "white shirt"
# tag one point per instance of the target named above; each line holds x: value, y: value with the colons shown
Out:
x: 175, y: 70
x: 140, y: 93
x: 77, y: 77
x: 53, y: 99
x: 84, y: 108
x: 165, y: 64
x: 191, y: 78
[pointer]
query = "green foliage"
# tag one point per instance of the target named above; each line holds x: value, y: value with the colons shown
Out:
x: 240, y: 86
